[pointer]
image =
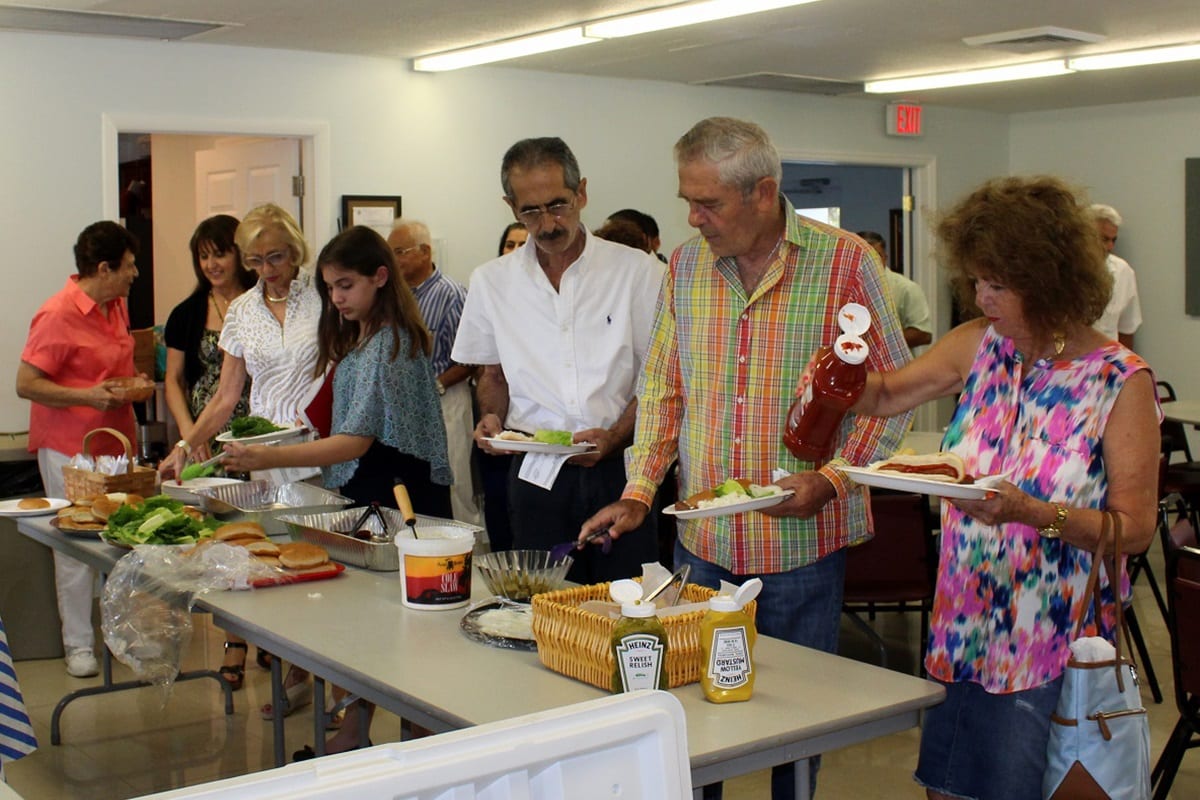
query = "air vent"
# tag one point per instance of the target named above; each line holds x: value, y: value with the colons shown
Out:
x: 779, y: 82
x: 1032, y: 40
x: 94, y: 24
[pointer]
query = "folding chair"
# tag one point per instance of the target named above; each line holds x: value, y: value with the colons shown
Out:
x: 1183, y: 585
x: 895, y: 571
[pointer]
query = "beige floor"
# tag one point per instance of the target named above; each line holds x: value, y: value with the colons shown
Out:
x: 128, y: 744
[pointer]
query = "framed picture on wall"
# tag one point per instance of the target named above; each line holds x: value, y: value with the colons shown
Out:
x: 373, y: 210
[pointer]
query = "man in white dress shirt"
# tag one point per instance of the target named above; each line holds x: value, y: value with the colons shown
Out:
x: 1123, y: 316
x: 561, y: 330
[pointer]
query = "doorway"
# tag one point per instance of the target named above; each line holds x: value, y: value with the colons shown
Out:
x: 888, y: 195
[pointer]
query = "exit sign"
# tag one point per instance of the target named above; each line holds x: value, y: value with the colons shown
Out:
x: 903, y: 119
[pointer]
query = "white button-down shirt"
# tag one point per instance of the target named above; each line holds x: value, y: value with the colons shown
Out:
x: 571, y: 357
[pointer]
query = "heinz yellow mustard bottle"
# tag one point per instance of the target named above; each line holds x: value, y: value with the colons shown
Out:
x: 727, y: 635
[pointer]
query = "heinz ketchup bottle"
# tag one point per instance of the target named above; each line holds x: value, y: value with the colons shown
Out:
x: 838, y: 378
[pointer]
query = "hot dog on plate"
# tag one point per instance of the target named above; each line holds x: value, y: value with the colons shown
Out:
x: 943, y: 467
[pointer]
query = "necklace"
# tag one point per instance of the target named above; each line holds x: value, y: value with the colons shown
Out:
x: 212, y: 296
x: 270, y: 299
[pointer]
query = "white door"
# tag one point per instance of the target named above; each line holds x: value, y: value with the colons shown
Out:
x: 236, y: 178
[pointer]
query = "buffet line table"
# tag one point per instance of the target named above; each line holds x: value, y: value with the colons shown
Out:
x: 354, y: 632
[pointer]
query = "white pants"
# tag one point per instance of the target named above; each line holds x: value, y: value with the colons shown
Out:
x: 74, y: 582
x: 456, y: 413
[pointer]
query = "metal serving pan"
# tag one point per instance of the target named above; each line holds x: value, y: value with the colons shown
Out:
x: 333, y: 530
x: 264, y: 502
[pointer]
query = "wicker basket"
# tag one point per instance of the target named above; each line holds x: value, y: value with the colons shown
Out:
x: 578, y: 643
x: 81, y: 483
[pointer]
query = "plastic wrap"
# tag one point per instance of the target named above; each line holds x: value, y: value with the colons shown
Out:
x: 148, y: 598
x: 476, y: 627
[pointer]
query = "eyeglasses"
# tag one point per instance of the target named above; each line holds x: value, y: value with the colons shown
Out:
x: 276, y: 259
x: 403, y: 251
x: 533, y: 216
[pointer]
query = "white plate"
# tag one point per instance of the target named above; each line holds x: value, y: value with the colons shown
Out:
x: 751, y: 504
x: 910, y: 483
x: 186, y: 491
x: 510, y: 446
x: 273, y: 436
x: 9, y: 508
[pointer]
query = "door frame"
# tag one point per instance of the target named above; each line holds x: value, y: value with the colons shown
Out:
x: 315, y: 161
x: 919, y: 244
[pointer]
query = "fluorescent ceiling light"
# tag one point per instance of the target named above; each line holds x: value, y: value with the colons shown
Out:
x: 1137, y: 58
x: 502, y: 51
x: 1035, y: 69
x: 685, y: 14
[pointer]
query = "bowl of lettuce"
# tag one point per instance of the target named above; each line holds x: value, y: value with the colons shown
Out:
x: 159, y: 520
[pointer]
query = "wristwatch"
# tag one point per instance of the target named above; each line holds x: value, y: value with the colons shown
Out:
x: 1054, y: 529
x: 441, y: 388
x: 183, y: 445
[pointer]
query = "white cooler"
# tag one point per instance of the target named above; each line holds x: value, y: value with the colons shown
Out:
x: 629, y: 746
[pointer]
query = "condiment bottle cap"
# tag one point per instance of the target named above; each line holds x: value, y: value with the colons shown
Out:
x: 638, y: 609
x: 851, y: 349
x: 854, y: 319
x: 723, y: 602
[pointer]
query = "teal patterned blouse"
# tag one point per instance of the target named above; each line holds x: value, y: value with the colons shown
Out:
x: 394, y: 401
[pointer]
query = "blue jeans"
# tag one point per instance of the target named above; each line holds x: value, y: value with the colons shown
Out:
x: 802, y: 606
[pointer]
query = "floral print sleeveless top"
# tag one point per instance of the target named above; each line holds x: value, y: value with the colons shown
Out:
x: 1008, y: 600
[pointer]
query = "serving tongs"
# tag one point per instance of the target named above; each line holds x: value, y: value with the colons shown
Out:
x: 600, y: 537
x: 681, y: 577
x: 383, y: 535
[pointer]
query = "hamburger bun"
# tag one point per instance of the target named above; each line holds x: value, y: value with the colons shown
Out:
x: 302, y: 555
x: 193, y: 512
x: 262, y: 547
x: 942, y: 467
x: 33, y: 503
x: 239, y: 530
x: 270, y: 561
x: 103, y: 507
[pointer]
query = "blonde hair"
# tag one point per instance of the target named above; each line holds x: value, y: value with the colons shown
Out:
x: 269, y: 215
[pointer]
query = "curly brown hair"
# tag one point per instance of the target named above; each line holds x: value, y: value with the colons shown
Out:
x: 1034, y: 235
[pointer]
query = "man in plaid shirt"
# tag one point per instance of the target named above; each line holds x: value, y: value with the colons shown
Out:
x: 745, y: 306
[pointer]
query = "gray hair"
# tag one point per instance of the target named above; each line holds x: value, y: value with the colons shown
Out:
x: 529, y: 153
x: 741, y: 150
x: 418, y: 230
x: 1106, y: 213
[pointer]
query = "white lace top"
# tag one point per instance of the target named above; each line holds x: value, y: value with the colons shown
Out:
x: 279, y: 359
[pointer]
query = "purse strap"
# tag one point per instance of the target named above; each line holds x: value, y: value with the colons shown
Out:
x: 1110, y: 521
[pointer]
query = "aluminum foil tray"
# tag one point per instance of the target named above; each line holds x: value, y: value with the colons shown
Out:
x: 332, y: 530
x: 264, y: 502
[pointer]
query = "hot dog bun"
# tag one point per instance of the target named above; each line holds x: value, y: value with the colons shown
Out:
x: 944, y: 467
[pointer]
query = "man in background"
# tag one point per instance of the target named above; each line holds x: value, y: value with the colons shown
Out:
x: 911, y: 305
x: 441, y: 302
x: 1123, y: 316
x: 648, y: 226
x: 560, y: 327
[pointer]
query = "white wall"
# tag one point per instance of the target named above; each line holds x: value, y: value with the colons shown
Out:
x: 436, y: 140
x: 1131, y: 156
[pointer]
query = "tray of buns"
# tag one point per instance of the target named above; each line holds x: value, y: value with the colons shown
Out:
x: 264, y: 502
x: 88, y: 516
x: 281, y: 562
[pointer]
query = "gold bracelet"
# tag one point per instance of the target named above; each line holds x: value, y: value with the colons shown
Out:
x: 1054, y: 529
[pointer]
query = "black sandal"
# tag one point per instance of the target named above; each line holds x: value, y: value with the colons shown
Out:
x: 263, y: 658
x: 234, y: 675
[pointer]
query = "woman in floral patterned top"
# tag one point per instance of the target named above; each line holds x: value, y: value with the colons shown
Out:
x: 1070, y: 419
x: 194, y: 326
